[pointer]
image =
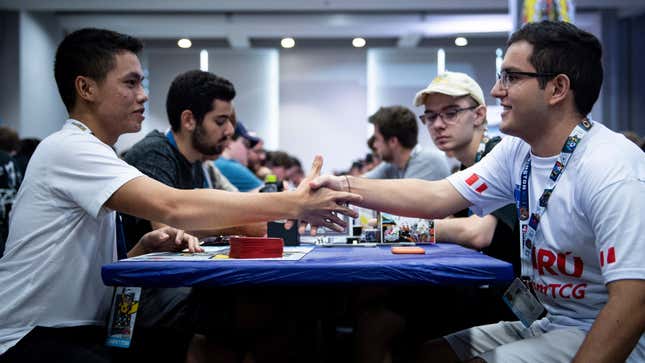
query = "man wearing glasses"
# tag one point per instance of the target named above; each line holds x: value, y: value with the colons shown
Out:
x: 581, y: 244
x: 395, y: 140
x: 455, y: 115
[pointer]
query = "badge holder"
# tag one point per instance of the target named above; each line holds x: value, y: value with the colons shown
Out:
x: 122, y: 316
x: 523, y: 303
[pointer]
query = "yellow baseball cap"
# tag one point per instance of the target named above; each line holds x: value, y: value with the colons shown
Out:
x: 452, y: 84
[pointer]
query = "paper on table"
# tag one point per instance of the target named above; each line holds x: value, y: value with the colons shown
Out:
x: 218, y: 253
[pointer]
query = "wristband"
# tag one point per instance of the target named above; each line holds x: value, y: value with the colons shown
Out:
x: 432, y: 231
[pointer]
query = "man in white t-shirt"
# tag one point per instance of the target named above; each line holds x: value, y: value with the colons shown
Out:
x: 582, y: 249
x: 62, y: 227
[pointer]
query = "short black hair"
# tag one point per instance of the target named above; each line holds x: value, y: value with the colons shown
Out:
x: 399, y: 122
x: 88, y: 52
x: 295, y: 162
x: 9, y: 139
x: 196, y: 90
x: 562, y: 48
x: 279, y: 158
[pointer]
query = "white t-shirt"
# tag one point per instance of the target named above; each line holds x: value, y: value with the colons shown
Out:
x: 60, y: 236
x: 591, y: 232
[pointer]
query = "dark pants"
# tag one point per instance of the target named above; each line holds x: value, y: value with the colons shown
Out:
x: 85, y: 344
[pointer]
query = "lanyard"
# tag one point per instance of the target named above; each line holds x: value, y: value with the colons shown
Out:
x: 529, y: 224
x: 81, y: 126
x: 481, y: 148
x: 121, y: 245
x: 171, y: 139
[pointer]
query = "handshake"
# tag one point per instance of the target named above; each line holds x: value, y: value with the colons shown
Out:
x: 321, y: 199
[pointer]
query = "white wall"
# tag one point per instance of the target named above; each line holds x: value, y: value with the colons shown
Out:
x: 395, y: 75
x: 41, y: 109
x: 322, y: 105
x: 252, y: 71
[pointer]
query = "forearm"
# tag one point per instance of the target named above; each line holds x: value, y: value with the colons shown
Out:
x: 618, y: 327
x: 473, y: 232
x: 258, y: 229
x: 408, y: 197
x: 201, y: 209
x: 211, y: 209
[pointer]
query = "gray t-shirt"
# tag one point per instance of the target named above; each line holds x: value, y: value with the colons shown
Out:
x: 423, y: 164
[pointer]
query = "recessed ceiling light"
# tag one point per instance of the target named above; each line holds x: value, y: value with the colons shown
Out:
x: 184, y: 43
x: 287, y: 43
x: 461, y: 41
x: 358, y: 42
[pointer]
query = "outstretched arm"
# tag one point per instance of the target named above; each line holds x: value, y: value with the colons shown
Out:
x: 207, y: 208
x: 405, y: 197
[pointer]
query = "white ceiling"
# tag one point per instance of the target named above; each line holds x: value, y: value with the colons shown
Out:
x: 290, y: 5
x: 238, y: 21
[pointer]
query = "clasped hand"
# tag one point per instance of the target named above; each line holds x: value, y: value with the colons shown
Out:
x: 322, y: 206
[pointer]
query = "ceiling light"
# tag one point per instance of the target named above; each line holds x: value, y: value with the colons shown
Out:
x: 461, y: 41
x: 358, y: 42
x: 287, y: 43
x: 184, y: 43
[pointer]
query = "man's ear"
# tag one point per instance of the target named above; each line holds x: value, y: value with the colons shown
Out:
x: 480, y: 113
x: 558, y: 89
x: 188, y: 121
x: 393, y: 142
x: 86, y: 88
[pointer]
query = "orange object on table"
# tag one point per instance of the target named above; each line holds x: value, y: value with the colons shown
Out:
x: 255, y: 247
x: 408, y: 250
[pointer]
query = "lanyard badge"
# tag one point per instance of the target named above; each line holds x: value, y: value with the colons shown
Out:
x: 122, y: 316
x: 481, y: 148
x: 519, y: 296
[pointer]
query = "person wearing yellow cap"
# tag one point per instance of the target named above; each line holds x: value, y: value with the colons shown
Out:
x: 455, y: 115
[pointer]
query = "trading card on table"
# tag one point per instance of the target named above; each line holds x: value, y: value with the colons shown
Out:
x: 404, y: 229
x: 122, y: 316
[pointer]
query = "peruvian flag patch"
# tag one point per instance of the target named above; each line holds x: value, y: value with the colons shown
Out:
x: 475, y: 182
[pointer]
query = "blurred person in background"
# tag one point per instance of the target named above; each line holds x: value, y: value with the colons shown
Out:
x: 395, y: 141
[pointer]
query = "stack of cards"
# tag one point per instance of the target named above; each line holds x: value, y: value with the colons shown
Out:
x: 255, y: 247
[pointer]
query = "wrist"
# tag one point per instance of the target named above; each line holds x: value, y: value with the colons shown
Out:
x: 346, y: 184
x: 297, y: 203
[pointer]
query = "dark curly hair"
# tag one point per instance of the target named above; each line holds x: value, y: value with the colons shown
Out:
x: 399, y: 122
x: 195, y: 91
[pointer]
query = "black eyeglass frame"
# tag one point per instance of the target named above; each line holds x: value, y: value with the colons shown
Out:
x: 442, y: 114
x: 504, y: 75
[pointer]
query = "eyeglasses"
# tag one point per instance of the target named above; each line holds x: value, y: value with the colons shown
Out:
x: 448, y: 116
x: 507, y: 78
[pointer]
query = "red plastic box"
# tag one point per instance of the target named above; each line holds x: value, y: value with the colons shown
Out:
x: 255, y: 247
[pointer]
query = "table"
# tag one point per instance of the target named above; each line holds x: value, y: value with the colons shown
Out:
x: 443, y: 264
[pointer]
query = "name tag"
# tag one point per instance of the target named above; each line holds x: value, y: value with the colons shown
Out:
x: 523, y: 303
x: 122, y: 316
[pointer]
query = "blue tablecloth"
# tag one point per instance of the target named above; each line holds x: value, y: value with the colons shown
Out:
x: 443, y: 264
